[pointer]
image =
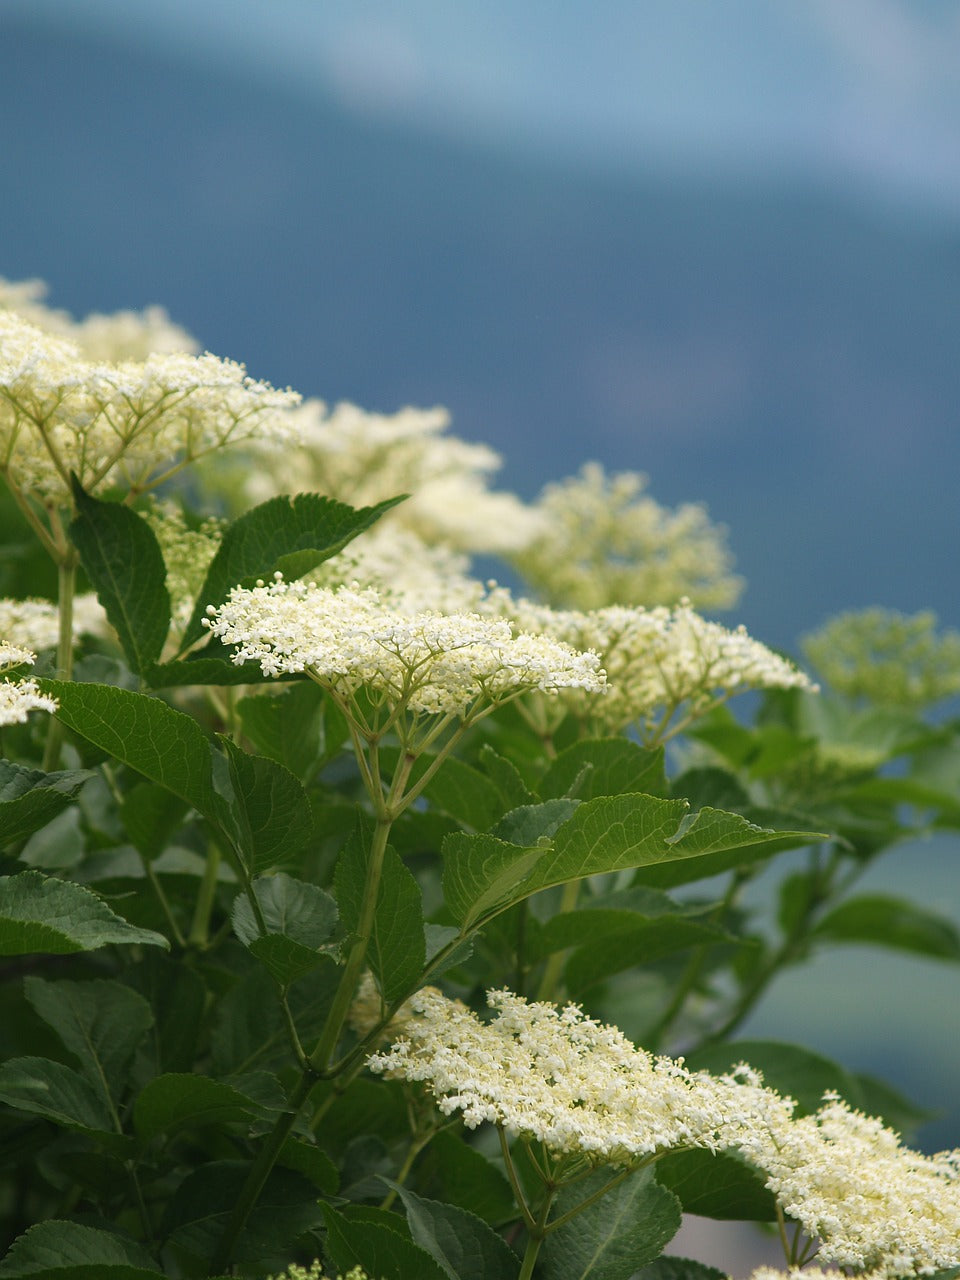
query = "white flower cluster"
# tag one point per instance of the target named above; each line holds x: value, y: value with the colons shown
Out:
x: 19, y: 697
x: 35, y: 624
x: 428, y: 662
x: 363, y: 458
x: 604, y: 541
x: 126, y: 423
x: 875, y: 1204
x: 581, y: 1087
x: 660, y: 659
x: 123, y: 335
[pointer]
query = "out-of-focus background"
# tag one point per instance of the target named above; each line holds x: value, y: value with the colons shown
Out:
x: 716, y: 243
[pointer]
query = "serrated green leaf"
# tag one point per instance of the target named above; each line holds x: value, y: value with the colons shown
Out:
x: 163, y: 744
x: 380, y: 1251
x: 57, y: 1092
x: 72, y: 1251
x: 792, y: 1070
x: 288, y: 727
x: 177, y: 1101
x: 462, y: 1175
x: 100, y: 1021
x: 463, y: 1244
x: 286, y: 534
x: 717, y: 1185
x: 150, y: 815
x: 122, y: 558
x: 605, y: 767
x: 41, y: 915
x: 302, y: 912
x: 269, y: 817
x: 29, y: 799
x: 891, y: 922
x: 397, y: 950
x: 621, y: 1232
x: 482, y: 875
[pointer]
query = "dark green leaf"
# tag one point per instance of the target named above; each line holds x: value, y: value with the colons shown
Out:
x: 101, y: 1022
x: 466, y: 794
x: 71, y: 1251
x: 41, y: 915
x: 380, y: 1251
x: 450, y: 1168
x: 300, y: 911
x: 289, y: 535
x: 186, y: 1101
x: 29, y: 798
x: 891, y: 922
x: 669, y: 1268
x: 714, y: 788
x: 163, y: 744
x: 308, y: 1160
x: 506, y: 777
x: 717, y: 1186
x: 397, y: 950
x: 604, y: 767
x: 150, y: 815
x: 621, y: 1232
x: 270, y: 816
x: 55, y: 1091
x: 641, y: 943
x: 288, y: 726
x: 459, y: 1241
x: 877, y: 1098
x: 178, y: 997
x: 123, y: 560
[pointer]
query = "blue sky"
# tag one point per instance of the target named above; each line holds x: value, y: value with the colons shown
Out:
x: 864, y: 91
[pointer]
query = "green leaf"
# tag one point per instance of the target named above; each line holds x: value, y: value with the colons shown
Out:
x: 459, y: 1241
x: 177, y: 1101
x: 397, y: 950
x: 29, y: 799
x: 71, y: 1251
x: 717, y: 1185
x: 506, y: 777
x: 482, y: 875
x: 670, y: 1268
x: 795, y: 1072
x: 270, y: 816
x: 891, y: 922
x: 56, y: 1092
x: 300, y: 918
x: 289, y: 535
x: 179, y: 999
x: 462, y: 1175
x: 150, y: 815
x: 306, y: 1159
x: 533, y: 824
x: 618, y: 948
x: 466, y: 794
x: 100, y: 1021
x: 604, y: 767
x: 41, y: 915
x: 163, y: 744
x: 380, y: 1251
x: 621, y: 1232
x: 123, y: 560
x: 288, y: 727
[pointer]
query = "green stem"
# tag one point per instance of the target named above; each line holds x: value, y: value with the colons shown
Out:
x: 66, y: 588
x: 203, y: 909
x: 554, y: 966
x: 259, y: 1173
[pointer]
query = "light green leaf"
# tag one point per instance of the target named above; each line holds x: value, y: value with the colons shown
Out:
x: 63, y: 1250
x: 29, y: 799
x: 482, y: 875
x: 289, y: 535
x: 621, y: 1232
x: 269, y: 814
x: 100, y: 1021
x: 41, y: 915
x: 605, y: 767
x: 124, y: 563
x: 163, y: 744
x: 891, y: 922
x: 57, y: 1092
x: 459, y: 1241
x: 532, y: 824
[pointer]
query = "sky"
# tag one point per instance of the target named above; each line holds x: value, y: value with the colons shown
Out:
x: 865, y: 91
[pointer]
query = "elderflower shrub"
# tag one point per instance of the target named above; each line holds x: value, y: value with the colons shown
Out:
x: 660, y: 662
x: 363, y: 458
x: 129, y: 424
x: 19, y: 697
x: 889, y: 658
x: 605, y: 542
x: 430, y: 663
x: 122, y: 335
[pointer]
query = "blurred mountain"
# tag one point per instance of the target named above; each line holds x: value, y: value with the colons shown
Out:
x: 781, y: 352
